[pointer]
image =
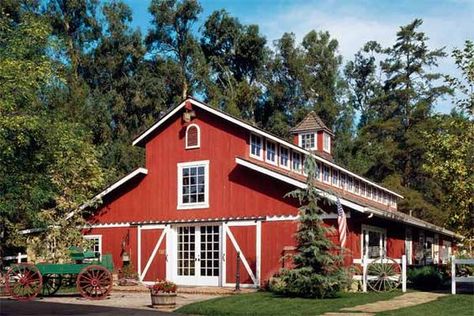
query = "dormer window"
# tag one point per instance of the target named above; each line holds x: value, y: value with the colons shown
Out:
x: 193, y: 135
x: 256, y: 146
x: 327, y: 142
x: 307, y: 141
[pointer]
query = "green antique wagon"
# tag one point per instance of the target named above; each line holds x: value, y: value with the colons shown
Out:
x: 91, y: 275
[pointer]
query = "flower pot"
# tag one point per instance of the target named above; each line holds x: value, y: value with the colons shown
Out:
x: 163, y: 299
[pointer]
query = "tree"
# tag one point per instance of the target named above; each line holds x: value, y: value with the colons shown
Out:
x: 235, y: 54
x: 398, y: 108
x: 317, y: 272
x: 464, y: 60
x: 171, y: 38
x: 47, y: 164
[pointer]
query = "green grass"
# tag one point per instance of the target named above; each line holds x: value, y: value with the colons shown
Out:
x: 452, y: 305
x: 265, y: 303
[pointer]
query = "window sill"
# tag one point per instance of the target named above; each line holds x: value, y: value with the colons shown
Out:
x: 192, y: 206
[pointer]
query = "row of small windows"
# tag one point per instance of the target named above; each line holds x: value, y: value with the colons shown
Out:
x: 285, y: 158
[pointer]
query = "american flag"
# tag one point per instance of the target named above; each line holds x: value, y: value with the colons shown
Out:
x: 342, y: 223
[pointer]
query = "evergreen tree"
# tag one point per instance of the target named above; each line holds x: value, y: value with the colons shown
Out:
x: 317, y: 272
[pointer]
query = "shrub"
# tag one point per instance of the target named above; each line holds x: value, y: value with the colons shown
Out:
x: 425, y: 278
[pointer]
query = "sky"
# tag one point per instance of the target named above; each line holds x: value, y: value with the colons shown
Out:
x: 447, y: 23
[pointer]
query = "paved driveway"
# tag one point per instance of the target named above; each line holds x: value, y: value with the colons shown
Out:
x: 117, y: 304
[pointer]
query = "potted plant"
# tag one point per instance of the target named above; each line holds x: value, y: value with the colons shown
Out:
x: 163, y: 293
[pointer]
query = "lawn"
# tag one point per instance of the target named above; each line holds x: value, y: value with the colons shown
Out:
x: 454, y: 305
x: 265, y: 303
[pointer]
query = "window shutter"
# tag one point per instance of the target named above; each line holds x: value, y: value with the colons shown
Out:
x: 192, y: 137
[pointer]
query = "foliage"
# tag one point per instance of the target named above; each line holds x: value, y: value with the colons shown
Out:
x: 464, y: 60
x: 425, y: 278
x: 163, y: 286
x: 449, y: 161
x: 317, y: 272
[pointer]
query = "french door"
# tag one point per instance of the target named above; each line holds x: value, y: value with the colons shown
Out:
x: 197, y: 260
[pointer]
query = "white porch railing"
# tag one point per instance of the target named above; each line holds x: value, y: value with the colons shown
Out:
x: 460, y: 279
x: 19, y: 258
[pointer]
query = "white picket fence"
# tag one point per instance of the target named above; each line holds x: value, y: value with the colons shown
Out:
x: 365, y: 263
x: 459, y: 279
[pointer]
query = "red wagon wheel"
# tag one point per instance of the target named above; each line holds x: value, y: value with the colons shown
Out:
x: 23, y: 281
x: 94, y: 282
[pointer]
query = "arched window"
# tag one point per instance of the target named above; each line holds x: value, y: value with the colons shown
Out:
x: 193, y: 135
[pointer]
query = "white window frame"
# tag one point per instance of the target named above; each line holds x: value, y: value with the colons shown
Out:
x: 382, y: 242
x: 342, y: 184
x: 326, y: 142
x: 92, y: 237
x: 293, y: 154
x: 409, y: 244
x: 358, y: 188
x: 260, y: 156
x: 300, y: 138
x: 320, y: 169
x: 288, y: 157
x: 197, y: 205
x: 326, y: 167
x: 350, y: 180
x: 275, y: 162
x: 332, y: 178
x: 198, y: 137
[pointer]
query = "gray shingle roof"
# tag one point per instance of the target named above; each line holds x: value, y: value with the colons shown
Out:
x: 310, y: 123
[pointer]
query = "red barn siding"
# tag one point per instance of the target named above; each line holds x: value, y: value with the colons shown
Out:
x: 246, y: 239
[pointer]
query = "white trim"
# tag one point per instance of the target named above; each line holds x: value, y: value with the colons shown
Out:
x: 383, y: 241
x: 328, y: 147
x: 255, y: 131
x: 292, y: 218
x: 300, y: 140
x: 98, y: 237
x: 368, y: 260
x: 258, y: 250
x: 108, y: 225
x: 277, y: 157
x: 109, y: 189
x: 242, y: 256
x: 243, y: 286
x: 260, y: 156
x: 293, y: 154
x: 158, y: 124
x: 139, y: 250
x: 224, y: 254
x: 242, y: 223
x: 288, y: 157
x: 198, y: 137
x: 146, y: 227
x: 153, y: 254
x: 197, y: 205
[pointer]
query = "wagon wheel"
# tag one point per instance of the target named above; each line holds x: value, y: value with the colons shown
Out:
x: 51, y: 284
x: 23, y: 281
x: 383, y: 274
x: 94, y: 282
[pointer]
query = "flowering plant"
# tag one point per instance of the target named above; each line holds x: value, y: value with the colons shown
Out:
x: 162, y: 286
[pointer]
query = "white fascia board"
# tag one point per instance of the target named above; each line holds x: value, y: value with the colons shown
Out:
x: 297, y: 183
x: 111, y: 188
x: 157, y: 124
x: 281, y: 141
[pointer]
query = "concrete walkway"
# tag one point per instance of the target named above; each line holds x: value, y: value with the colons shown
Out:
x: 402, y: 301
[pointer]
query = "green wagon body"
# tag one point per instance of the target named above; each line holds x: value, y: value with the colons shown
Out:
x: 92, y: 275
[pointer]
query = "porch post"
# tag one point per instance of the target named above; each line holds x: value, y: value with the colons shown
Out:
x: 364, y: 273
x: 453, y: 275
x: 404, y: 273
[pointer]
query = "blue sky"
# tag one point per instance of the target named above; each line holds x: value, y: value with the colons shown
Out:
x: 448, y: 23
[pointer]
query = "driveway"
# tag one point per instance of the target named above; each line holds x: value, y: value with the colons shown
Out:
x: 117, y: 304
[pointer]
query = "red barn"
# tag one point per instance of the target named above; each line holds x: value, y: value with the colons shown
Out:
x: 214, y: 186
